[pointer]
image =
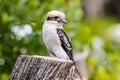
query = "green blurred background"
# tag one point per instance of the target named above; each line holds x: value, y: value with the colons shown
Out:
x: 91, y: 23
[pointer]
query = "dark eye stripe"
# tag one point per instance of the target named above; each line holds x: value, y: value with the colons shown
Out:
x: 52, y: 18
x: 49, y: 18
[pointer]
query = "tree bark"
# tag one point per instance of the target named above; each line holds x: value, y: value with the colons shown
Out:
x: 43, y: 68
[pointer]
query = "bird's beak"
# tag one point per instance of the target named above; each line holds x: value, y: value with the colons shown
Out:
x: 62, y: 21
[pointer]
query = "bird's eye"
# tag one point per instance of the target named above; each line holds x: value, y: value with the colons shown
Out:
x: 56, y: 17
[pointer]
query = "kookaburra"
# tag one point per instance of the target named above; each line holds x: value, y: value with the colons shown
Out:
x: 54, y: 36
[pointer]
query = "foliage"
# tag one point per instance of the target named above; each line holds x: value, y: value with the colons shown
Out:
x: 18, y: 13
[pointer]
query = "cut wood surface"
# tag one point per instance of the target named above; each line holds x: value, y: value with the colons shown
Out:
x: 43, y: 68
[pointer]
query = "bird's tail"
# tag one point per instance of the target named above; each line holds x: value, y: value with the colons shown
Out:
x: 76, y: 74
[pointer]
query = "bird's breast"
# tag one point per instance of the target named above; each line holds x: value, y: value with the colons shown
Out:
x: 50, y: 36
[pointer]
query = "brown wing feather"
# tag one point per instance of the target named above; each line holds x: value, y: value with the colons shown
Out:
x: 65, y: 43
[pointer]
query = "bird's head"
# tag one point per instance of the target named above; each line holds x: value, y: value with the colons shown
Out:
x: 56, y: 16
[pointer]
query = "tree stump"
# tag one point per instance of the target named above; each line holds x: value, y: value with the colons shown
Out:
x: 43, y: 68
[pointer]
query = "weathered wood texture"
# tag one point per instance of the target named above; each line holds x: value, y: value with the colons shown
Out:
x: 42, y: 68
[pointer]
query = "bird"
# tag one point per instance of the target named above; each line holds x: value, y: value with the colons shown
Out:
x: 55, y: 37
x: 57, y: 40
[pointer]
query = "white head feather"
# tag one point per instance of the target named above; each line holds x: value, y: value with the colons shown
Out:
x: 56, y: 13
